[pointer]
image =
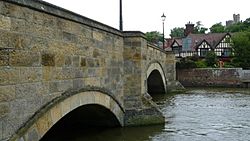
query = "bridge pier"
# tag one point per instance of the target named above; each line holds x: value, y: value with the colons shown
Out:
x: 139, y: 110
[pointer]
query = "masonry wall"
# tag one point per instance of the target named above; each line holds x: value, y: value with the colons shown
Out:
x: 46, y: 51
x: 153, y: 54
x: 228, y: 77
x: 138, y: 56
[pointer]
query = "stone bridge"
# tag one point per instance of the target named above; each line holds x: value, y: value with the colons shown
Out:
x: 59, y: 67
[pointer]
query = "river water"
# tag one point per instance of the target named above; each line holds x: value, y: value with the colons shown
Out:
x: 196, y: 115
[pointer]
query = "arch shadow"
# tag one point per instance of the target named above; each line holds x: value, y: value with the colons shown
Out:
x: 86, y: 107
x: 156, y: 80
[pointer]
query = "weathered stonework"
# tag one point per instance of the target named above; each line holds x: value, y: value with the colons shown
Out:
x: 60, y: 61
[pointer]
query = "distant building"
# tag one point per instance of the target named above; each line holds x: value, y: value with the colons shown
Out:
x: 236, y: 19
x: 201, y: 44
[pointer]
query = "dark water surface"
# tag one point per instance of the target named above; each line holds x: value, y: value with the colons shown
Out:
x: 197, y: 115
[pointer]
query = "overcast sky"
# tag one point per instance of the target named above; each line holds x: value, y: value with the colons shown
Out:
x: 145, y: 15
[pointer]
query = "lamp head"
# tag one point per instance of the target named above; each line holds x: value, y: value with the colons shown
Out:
x: 163, y: 17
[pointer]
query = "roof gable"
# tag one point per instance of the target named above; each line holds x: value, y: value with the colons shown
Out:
x: 212, y: 39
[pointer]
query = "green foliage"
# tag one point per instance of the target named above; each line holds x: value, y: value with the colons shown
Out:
x: 177, y: 32
x: 217, y: 28
x: 211, y: 59
x: 228, y: 65
x: 239, y: 27
x: 185, y: 63
x: 241, y: 47
x: 154, y: 37
x: 198, y: 29
x: 201, y: 64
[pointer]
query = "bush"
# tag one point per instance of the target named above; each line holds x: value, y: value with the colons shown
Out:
x: 211, y: 59
x: 201, y: 64
x: 185, y: 63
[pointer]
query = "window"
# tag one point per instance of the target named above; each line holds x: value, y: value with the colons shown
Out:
x: 203, y: 52
x: 226, y: 52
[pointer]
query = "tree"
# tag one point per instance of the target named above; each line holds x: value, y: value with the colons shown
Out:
x: 241, y: 49
x: 237, y: 27
x: 198, y: 29
x: 211, y: 59
x: 217, y: 28
x: 154, y: 36
x: 177, y: 32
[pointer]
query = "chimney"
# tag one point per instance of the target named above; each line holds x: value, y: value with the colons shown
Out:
x: 189, y: 29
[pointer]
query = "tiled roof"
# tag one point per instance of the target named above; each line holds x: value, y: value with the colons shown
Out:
x: 212, y: 39
x: 179, y: 41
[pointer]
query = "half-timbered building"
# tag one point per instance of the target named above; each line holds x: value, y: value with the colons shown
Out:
x: 201, y: 44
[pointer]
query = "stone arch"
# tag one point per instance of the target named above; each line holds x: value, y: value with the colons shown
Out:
x: 50, y: 114
x: 156, y: 80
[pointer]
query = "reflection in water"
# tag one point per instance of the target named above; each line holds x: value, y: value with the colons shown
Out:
x: 197, y: 115
x: 111, y: 134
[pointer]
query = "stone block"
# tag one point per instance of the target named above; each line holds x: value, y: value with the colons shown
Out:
x: 43, y: 124
x: 68, y: 61
x: 66, y: 106
x: 53, y: 87
x: 32, y: 135
x: 67, y: 73
x: 90, y: 62
x: 63, y: 25
x: 18, y: 108
x: 92, y: 81
x: 86, y: 32
x: 48, y: 73
x: 30, y: 74
x: 4, y: 109
x: 74, y: 102
x: 86, y: 98
x: 39, y: 44
x: 83, y: 62
x: 59, y: 59
x: 27, y: 90
x: 78, y: 83
x: 64, y: 85
x: 5, y: 22
x: 96, y: 53
x: 56, y: 113
x: 48, y: 59
x: 7, y: 127
x: 97, y: 36
x: 76, y: 61
x: 69, y: 37
x: 25, y: 58
x: 33, y: 104
x: 18, y: 25
x: 9, y: 75
x: 7, y: 93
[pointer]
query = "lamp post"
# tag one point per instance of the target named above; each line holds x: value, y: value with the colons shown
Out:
x: 121, y: 24
x: 163, y: 17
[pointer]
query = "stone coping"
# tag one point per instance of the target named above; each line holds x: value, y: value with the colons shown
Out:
x: 57, y: 11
